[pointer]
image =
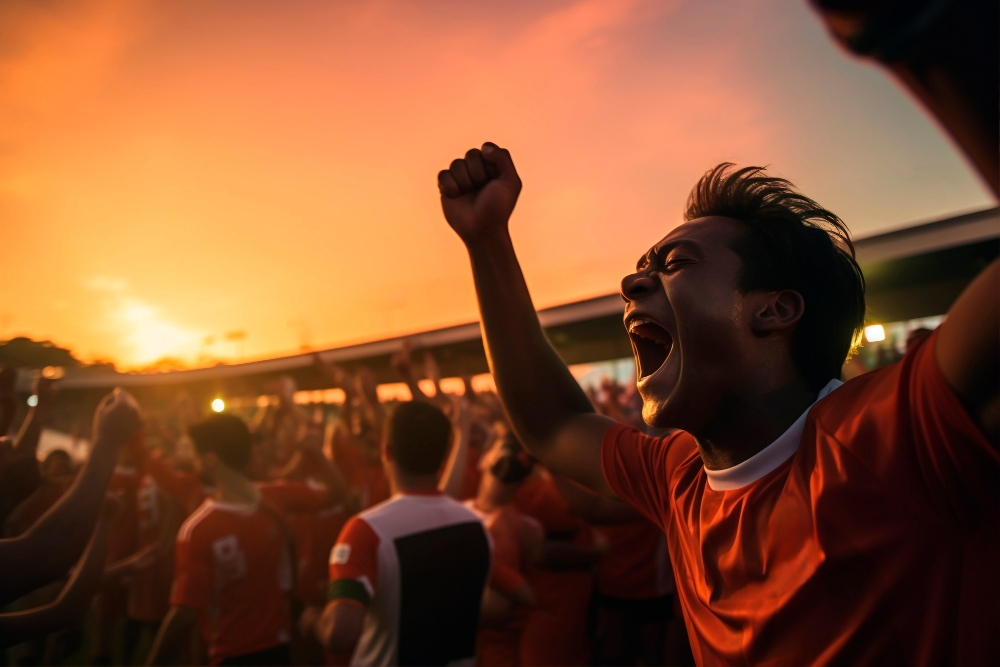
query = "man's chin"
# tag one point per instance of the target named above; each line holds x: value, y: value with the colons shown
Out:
x: 656, y: 413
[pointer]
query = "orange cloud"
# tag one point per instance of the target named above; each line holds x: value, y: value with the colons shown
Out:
x: 269, y: 167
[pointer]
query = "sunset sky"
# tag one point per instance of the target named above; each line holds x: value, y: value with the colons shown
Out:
x: 172, y: 171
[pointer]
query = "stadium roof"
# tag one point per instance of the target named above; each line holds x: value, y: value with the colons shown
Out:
x: 912, y: 272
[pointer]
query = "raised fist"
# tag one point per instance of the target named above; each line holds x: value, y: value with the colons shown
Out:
x: 117, y: 417
x: 44, y: 388
x: 478, y: 192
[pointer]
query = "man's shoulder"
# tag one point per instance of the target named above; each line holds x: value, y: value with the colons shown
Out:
x: 405, y: 513
x: 199, y: 523
x: 213, y: 518
x: 850, y: 405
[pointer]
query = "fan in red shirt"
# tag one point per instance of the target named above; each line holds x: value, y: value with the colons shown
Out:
x: 517, y: 545
x: 235, y: 562
x: 563, y: 580
x: 634, y: 599
x: 808, y: 522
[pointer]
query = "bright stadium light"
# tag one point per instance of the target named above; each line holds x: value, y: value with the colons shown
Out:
x: 218, y: 405
x: 874, y: 333
x: 32, y: 401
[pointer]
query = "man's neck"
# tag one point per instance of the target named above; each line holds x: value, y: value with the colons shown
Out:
x: 748, y: 423
x: 232, y: 487
x: 410, y: 483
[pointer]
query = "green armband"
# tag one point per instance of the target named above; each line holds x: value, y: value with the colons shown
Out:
x: 351, y: 589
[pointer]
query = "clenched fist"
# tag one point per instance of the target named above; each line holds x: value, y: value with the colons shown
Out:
x: 478, y: 192
x: 118, y: 418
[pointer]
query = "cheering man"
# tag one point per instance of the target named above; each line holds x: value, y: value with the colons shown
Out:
x: 809, y: 521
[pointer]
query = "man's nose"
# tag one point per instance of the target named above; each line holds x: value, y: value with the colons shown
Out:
x: 636, y: 286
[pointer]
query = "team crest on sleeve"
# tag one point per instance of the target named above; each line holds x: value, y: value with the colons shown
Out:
x: 340, y: 554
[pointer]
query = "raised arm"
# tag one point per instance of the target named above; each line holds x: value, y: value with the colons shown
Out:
x: 21, y: 474
x: 401, y: 363
x: 50, y: 547
x: 968, y: 350
x: 548, y: 410
x: 8, y: 398
x: 75, y: 598
x: 453, y: 474
x: 31, y: 429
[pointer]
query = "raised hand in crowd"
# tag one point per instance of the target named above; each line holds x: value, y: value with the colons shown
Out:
x: 8, y: 398
x: 402, y: 363
x: 49, y: 548
x: 74, y: 600
x: 453, y: 475
x: 19, y: 471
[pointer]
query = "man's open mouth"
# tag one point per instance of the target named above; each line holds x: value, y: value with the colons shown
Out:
x: 651, y: 343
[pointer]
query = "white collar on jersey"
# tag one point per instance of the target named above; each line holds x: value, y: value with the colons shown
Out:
x: 768, y: 458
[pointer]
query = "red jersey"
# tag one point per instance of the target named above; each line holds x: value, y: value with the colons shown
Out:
x: 123, y: 484
x: 637, y: 565
x: 233, y: 566
x: 514, y: 535
x: 164, y: 494
x: 556, y: 627
x: 874, y: 542
x: 149, y: 589
x: 314, y: 525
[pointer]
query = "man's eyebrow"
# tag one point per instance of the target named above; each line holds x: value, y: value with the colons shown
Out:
x: 667, y: 246
x: 661, y: 249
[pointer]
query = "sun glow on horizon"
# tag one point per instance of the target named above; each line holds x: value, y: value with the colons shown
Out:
x: 174, y: 174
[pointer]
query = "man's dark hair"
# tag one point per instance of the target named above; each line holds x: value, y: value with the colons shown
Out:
x: 226, y: 436
x: 792, y: 243
x: 514, y: 463
x: 418, y: 437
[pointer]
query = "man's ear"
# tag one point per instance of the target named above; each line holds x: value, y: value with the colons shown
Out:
x: 773, y: 312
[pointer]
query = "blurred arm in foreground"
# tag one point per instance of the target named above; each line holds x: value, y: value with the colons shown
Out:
x: 944, y: 53
x: 75, y: 598
x: 54, y: 543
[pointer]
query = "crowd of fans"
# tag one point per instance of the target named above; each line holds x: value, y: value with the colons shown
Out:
x: 864, y: 534
x: 575, y: 578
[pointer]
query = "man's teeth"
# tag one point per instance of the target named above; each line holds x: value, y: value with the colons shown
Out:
x: 638, y: 321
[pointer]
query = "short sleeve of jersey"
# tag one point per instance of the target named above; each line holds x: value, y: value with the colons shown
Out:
x: 354, y: 563
x: 192, y: 572
x: 911, y: 420
x: 637, y: 468
x: 295, y: 497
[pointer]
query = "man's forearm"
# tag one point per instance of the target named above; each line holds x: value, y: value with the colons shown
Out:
x: 68, y: 524
x: 537, y: 389
x: 31, y: 430
x: 72, y: 603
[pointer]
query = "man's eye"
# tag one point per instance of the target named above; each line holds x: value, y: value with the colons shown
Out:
x: 675, y: 263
